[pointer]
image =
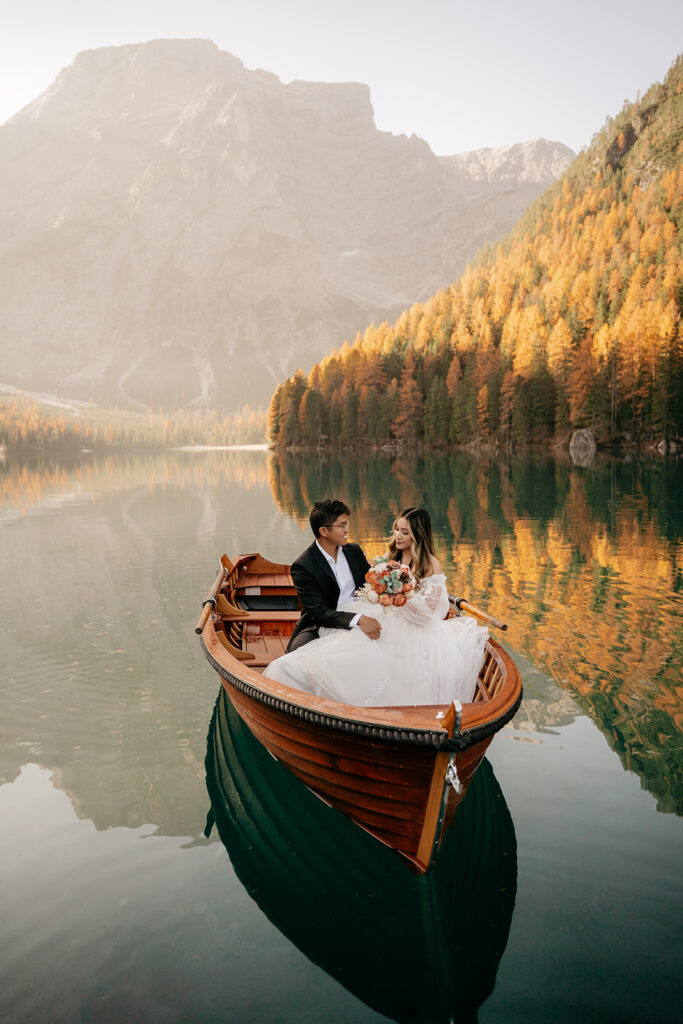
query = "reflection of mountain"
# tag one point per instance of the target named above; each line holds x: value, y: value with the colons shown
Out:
x: 103, y: 566
x: 585, y: 566
x: 412, y: 948
x: 545, y: 707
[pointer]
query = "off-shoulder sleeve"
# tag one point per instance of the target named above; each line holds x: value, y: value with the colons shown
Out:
x: 430, y: 601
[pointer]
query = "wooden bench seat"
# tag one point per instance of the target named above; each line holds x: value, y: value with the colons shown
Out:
x: 248, y: 616
x: 272, y: 584
x: 230, y: 612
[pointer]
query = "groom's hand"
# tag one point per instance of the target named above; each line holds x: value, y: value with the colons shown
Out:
x: 371, y: 627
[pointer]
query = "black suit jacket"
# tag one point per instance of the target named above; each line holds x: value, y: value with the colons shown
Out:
x: 318, y: 590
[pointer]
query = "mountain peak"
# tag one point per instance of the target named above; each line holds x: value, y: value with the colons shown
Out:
x: 114, y: 81
x: 537, y: 160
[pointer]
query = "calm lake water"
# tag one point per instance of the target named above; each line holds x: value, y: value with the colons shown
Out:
x: 559, y: 895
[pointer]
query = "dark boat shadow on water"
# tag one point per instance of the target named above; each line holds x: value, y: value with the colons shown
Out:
x: 416, y: 949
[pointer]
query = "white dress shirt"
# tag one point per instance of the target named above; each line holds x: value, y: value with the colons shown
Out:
x: 343, y: 576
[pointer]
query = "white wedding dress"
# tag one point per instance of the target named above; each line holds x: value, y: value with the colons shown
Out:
x: 420, y: 658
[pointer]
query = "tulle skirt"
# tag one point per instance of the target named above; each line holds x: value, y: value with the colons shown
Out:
x: 433, y: 663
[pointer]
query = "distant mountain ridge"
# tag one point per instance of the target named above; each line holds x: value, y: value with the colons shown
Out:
x: 177, y: 229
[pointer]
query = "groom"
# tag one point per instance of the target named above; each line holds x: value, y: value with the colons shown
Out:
x: 327, y: 574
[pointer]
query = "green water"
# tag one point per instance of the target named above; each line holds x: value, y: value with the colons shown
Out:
x: 115, y: 907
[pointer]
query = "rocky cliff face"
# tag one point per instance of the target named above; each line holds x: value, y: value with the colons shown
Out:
x: 175, y: 228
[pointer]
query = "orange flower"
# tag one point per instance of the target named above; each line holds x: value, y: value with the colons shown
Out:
x: 379, y: 587
x: 370, y: 576
x: 385, y: 599
x: 407, y: 587
x: 399, y: 599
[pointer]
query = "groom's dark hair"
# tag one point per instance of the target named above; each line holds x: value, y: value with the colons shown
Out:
x: 324, y: 513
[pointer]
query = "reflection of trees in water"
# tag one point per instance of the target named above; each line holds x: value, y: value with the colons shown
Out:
x: 584, y: 565
x: 27, y: 482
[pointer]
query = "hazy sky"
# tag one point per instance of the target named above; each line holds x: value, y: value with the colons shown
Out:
x: 460, y: 74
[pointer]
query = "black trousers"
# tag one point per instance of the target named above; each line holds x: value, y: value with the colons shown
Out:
x: 304, y: 636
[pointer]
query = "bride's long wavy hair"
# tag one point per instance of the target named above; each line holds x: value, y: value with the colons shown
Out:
x: 422, y: 545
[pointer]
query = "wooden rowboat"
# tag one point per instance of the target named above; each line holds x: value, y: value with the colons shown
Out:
x: 398, y: 772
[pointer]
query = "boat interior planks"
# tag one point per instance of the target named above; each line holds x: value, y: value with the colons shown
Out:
x: 398, y: 772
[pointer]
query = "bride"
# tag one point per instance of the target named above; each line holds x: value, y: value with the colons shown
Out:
x: 419, y: 658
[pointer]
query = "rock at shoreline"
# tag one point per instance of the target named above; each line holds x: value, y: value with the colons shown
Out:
x: 582, y: 447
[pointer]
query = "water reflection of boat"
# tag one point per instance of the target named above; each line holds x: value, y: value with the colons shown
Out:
x: 398, y: 772
x: 415, y: 948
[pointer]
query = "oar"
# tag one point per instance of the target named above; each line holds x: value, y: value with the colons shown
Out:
x: 464, y: 606
x: 210, y: 603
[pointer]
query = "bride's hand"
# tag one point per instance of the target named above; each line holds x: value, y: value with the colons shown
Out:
x: 371, y: 627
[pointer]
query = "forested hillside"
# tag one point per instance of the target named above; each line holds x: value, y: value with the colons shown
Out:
x: 573, y: 321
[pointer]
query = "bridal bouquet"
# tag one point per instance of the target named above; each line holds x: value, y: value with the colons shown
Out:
x: 388, y: 583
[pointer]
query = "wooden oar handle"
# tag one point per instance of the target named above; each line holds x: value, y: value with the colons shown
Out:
x: 464, y: 606
x: 210, y: 603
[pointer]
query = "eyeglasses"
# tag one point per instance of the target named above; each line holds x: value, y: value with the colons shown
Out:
x: 338, y: 526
